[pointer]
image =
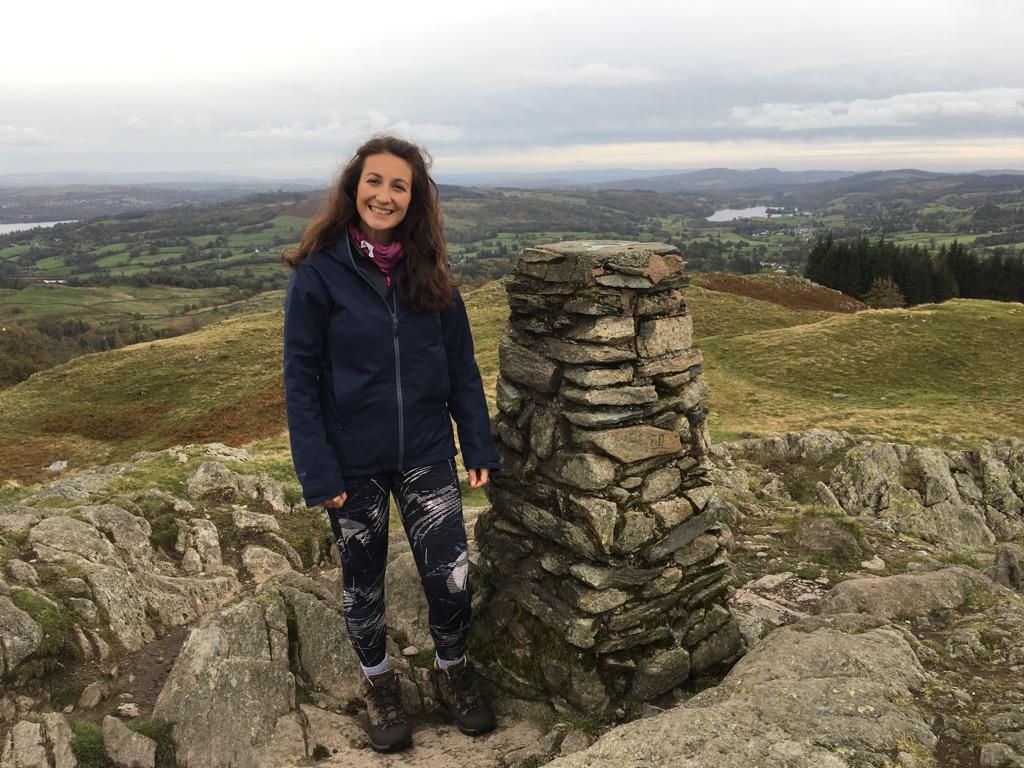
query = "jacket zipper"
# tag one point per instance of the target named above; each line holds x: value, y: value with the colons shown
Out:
x: 398, y: 357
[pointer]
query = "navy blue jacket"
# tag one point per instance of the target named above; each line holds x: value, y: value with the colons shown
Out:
x: 370, y: 385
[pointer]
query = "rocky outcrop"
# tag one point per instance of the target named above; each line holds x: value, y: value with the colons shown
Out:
x: 604, y: 544
x: 230, y: 685
x: 822, y: 693
x: 19, y: 635
x: 43, y: 742
x: 213, y: 481
x: 970, y: 497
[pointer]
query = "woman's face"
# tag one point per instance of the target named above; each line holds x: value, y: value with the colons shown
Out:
x: 383, y: 195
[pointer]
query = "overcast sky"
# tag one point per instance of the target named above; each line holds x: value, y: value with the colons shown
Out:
x: 289, y: 89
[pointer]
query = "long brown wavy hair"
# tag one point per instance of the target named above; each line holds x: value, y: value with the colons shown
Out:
x: 426, y: 283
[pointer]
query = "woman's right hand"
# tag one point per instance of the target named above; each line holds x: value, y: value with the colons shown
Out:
x: 337, y: 502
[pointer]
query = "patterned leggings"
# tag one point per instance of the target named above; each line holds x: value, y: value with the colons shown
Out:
x: 430, y: 505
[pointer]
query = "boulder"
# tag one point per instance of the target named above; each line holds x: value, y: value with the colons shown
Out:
x: 246, y: 520
x: 45, y: 743
x: 213, y: 481
x: 22, y: 572
x: 326, y: 659
x: 229, y: 685
x: 1008, y: 568
x: 821, y: 535
x: 908, y: 594
x: 125, y: 747
x: 20, y: 635
x: 201, y: 536
x: 63, y: 539
x: 129, y: 533
x: 807, y: 695
x: 262, y: 563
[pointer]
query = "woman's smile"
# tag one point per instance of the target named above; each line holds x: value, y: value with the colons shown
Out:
x: 383, y: 195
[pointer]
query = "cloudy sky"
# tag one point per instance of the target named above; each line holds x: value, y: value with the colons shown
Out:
x: 289, y: 89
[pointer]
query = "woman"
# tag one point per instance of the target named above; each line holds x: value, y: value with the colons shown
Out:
x: 378, y: 358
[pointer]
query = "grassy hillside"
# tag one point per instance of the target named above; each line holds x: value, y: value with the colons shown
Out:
x: 935, y: 369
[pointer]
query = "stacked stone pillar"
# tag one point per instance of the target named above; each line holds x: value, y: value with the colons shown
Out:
x: 603, y: 557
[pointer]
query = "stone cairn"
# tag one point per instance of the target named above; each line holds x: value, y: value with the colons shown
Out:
x: 603, y: 558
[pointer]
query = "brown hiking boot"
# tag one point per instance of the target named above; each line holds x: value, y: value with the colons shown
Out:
x: 389, y: 729
x: 457, y: 689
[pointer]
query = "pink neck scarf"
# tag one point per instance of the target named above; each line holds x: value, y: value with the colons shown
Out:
x: 384, y: 256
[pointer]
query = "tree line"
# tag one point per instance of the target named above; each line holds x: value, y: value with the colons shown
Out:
x: 884, y: 274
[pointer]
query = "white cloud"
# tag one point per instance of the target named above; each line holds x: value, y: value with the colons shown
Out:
x: 12, y: 135
x: 339, y: 129
x: 597, y: 75
x: 900, y: 110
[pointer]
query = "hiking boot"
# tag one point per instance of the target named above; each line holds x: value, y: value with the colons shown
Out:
x: 457, y: 689
x: 389, y: 729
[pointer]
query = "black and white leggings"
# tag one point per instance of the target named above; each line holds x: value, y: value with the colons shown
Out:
x: 430, y: 505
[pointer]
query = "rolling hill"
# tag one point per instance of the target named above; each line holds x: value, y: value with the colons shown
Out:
x: 952, y: 368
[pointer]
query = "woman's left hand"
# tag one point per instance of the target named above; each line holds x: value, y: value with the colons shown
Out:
x: 478, y: 477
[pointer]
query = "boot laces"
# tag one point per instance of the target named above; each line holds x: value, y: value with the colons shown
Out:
x: 387, y: 700
x: 467, y: 693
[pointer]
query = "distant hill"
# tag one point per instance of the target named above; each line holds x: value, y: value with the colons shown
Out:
x: 168, y: 179
x: 723, y: 180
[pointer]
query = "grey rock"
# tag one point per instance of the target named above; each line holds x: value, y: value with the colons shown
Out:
x: 85, y: 609
x: 326, y: 658
x: 664, y: 335
x: 22, y: 572
x: 660, y: 672
x: 62, y: 539
x: 598, y: 377
x: 1008, y: 568
x: 660, y: 483
x: 202, y: 536
x: 611, y: 396
x: 632, y: 444
x: 584, y: 470
x: 601, y: 578
x: 212, y: 481
x: 605, y: 330
x: 720, y: 646
x: 820, y: 535
x: 75, y: 587
x: 229, y: 685
x: 245, y: 520
x: 682, y: 535
x: 129, y: 533
x: 20, y: 635
x: 604, y: 417
x: 745, y: 721
x: 125, y: 747
x: 908, y: 594
x: 42, y: 744
x: 580, y: 353
x: 15, y: 519
x: 526, y: 367
x: 262, y: 563
x: 637, y: 530
x: 93, y: 694
x: 600, y: 516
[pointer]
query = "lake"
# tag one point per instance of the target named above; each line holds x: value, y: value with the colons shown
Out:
x: 731, y: 214
x: 6, y: 229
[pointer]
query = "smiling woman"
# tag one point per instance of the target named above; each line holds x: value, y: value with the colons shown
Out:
x: 375, y: 370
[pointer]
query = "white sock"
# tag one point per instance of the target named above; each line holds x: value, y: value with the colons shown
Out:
x: 384, y: 666
x: 444, y: 663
